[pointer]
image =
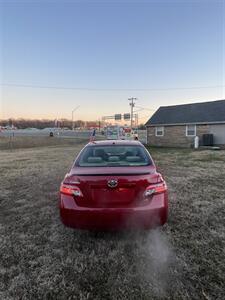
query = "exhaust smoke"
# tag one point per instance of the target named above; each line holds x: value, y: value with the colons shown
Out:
x: 156, y: 260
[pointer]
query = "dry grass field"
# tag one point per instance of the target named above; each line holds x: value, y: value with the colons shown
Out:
x: 41, y: 259
x: 16, y: 142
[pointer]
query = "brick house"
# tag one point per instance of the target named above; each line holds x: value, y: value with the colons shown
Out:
x: 177, y: 125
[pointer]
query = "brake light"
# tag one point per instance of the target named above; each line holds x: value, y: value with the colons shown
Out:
x: 70, y: 190
x: 155, y: 189
x: 160, y: 179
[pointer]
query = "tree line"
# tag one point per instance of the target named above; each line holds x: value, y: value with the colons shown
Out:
x: 49, y: 123
x: 41, y: 124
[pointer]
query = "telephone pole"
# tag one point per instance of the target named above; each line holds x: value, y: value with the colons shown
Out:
x: 72, y: 115
x: 132, y: 104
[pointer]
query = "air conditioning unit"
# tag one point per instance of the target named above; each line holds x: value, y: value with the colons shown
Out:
x: 207, y: 139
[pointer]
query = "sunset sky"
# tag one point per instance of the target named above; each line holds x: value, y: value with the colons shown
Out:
x: 117, y: 49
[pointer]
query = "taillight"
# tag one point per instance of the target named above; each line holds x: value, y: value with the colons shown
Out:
x: 70, y: 190
x: 155, y: 189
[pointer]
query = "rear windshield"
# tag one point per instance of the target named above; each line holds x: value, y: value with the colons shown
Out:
x: 100, y: 156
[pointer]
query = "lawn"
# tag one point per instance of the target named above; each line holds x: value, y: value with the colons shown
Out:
x: 41, y: 259
x: 17, y: 142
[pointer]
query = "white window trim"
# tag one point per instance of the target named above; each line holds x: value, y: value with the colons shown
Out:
x: 162, y: 131
x: 187, y: 130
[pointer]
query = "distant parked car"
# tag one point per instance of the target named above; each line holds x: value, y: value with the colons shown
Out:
x: 65, y: 128
x: 50, y: 129
x: 113, y: 185
x: 32, y: 129
x: 8, y: 127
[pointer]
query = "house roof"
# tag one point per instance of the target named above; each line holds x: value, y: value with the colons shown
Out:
x: 198, y: 113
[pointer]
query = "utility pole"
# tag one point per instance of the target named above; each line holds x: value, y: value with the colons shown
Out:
x: 136, y: 120
x: 72, y: 115
x: 132, y: 104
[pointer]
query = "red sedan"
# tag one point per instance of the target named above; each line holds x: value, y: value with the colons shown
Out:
x: 113, y: 185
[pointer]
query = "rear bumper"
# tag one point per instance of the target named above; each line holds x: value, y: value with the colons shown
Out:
x: 153, y: 214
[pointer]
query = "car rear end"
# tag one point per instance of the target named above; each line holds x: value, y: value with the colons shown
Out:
x: 111, y: 196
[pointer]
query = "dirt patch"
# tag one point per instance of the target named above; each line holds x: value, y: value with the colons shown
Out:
x: 41, y: 259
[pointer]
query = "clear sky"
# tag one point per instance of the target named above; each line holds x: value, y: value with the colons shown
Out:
x: 109, y: 45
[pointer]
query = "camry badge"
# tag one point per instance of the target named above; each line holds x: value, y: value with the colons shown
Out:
x: 112, y: 183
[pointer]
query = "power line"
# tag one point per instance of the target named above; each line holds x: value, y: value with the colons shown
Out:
x: 107, y: 89
x: 144, y: 117
x: 144, y: 108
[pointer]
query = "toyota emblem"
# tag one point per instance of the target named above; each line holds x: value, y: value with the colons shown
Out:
x: 112, y: 183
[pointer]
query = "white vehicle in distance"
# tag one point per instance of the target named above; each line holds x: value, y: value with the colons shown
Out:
x: 116, y: 132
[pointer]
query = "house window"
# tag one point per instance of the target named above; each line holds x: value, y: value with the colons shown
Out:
x: 190, y: 130
x: 159, y: 131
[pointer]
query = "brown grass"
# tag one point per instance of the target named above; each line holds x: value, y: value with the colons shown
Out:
x: 41, y: 259
x: 18, y: 142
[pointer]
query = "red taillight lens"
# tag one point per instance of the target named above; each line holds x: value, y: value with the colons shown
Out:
x: 70, y: 190
x: 156, y: 189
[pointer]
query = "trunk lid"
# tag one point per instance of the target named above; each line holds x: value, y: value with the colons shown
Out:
x: 112, y: 187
